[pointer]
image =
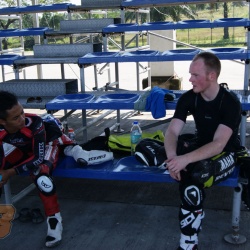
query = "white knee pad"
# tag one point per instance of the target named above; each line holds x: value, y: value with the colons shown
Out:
x: 45, y: 184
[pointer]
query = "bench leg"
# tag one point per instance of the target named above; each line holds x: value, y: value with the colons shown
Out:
x: 7, y: 193
x: 236, y: 238
x: 11, y: 200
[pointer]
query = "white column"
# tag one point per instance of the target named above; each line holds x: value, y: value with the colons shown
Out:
x: 160, y: 44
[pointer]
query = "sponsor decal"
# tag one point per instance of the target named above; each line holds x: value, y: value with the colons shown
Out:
x: 97, y: 157
x: 224, y: 174
x: 151, y: 149
x: 17, y: 141
x: 188, y: 220
x: 41, y: 154
x: 226, y: 162
x: 45, y: 185
x: 24, y: 167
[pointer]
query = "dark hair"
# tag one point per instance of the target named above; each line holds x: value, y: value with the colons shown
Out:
x: 211, y: 61
x: 7, y: 101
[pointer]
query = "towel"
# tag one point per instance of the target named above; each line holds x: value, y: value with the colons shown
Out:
x: 155, y: 102
x: 141, y: 103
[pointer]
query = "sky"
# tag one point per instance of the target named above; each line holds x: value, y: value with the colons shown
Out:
x: 76, y: 2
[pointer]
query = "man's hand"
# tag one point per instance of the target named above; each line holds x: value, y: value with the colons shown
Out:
x: 6, y: 174
x: 174, y: 175
x: 175, y: 165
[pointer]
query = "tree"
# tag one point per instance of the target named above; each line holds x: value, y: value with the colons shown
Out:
x: 5, y: 24
x: 27, y: 19
x: 174, y: 12
x: 226, y: 6
x: 226, y: 30
x: 162, y: 13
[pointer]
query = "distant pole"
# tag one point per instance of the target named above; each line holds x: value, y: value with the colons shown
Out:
x: 233, y: 27
x: 37, y: 39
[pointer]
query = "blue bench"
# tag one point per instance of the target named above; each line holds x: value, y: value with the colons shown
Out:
x: 124, y: 169
x: 129, y: 169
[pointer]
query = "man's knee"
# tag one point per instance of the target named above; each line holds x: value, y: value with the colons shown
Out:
x: 191, y: 212
x: 192, y: 196
x: 45, y: 184
x: 212, y: 171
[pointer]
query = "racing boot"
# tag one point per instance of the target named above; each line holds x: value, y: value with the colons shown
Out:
x: 188, y: 242
x: 55, y: 228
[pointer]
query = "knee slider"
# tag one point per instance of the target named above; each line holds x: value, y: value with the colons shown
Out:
x: 45, y: 184
x: 192, y: 197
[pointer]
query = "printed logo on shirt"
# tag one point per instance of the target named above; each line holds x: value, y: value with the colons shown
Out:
x: 208, y: 117
x: 7, y: 213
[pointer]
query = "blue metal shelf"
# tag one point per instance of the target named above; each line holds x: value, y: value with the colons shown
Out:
x: 156, y: 56
x: 9, y: 59
x: 125, y: 100
x: 24, y: 32
x: 150, y: 3
x: 35, y: 8
x: 185, y: 24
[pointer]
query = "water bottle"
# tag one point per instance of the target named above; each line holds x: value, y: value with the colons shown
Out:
x: 135, y: 135
x: 65, y: 127
x: 71, y: 134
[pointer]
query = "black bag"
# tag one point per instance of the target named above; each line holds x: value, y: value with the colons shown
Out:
x: 150, y: 152
x: 98, y: 143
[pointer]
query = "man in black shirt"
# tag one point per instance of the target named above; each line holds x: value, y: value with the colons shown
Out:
x: 209, y: 157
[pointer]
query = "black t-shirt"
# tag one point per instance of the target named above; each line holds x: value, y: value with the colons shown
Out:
x: 224, y: 109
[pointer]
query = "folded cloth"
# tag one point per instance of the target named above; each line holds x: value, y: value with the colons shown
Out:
x: 91, y: 157
x: 155, y: 102
x: 141, y: 103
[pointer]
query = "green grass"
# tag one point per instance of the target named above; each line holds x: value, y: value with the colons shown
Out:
x: 214, y: 37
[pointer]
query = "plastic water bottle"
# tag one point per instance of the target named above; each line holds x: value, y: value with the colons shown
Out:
x: 71, y: 134
x: 135, y: 136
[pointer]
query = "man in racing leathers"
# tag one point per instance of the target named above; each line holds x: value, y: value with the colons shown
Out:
x: 211, y: 158
x: 33, y: 153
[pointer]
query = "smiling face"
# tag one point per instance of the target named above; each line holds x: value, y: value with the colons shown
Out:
x: 15, y: 119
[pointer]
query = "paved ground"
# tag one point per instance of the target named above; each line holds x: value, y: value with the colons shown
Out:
x: 113, y: 215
